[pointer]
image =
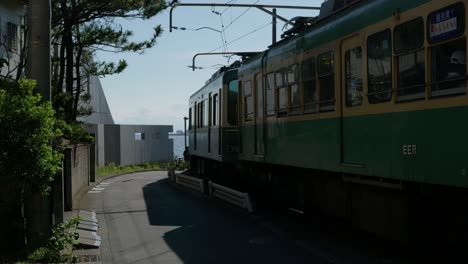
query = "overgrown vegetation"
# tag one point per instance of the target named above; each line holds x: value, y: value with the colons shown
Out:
x: 59, y: 247
x: 27, y: 126
x: 112, y: 169
x: 80, y: 29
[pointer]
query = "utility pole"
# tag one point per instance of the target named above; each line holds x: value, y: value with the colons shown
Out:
x: 39, y: 48
x: 38, y: 208
x: 273, y: 24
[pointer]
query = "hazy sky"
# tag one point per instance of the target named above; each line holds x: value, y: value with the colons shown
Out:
x: 156, y: 86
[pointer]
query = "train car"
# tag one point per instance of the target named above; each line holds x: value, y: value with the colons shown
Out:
x: 360, y: 116
x: 213, y: 121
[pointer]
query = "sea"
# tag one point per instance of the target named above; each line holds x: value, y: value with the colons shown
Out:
x: 178, y: 145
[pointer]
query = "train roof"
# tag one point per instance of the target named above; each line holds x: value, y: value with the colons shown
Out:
x: 337, y: 24
x: 223, y: 71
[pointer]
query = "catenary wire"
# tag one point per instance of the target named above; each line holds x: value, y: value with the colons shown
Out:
x: 241, y: 37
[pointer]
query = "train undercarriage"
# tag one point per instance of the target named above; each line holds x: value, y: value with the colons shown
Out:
x: 416, y: 215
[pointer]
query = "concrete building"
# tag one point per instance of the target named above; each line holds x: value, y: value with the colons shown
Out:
x: 132, y: 144
x: 11, y: 38
x: 101, y: 111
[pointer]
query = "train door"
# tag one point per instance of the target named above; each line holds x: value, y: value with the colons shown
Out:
x: 259, y: 116
x: 352, y: 98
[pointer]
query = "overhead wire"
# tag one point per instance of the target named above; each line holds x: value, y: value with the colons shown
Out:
x: 243, y: 36
x: 237, y: 18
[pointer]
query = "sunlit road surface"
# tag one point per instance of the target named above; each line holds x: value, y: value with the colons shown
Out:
x: 143, y: 219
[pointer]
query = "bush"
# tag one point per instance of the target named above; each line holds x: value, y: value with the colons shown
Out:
x: 58, y: 248
x: 27, y: 128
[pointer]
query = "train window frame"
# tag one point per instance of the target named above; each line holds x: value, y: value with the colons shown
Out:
x: 324, y: 75
x: 410, y: 92
x: 396, y: 36
x: 442, y: 14
x: 270, y: 94
x: 293, y: 82
x: 310, y: 106
x: 357, y: 86
x: 281, y: 88
x: 248, y: 101
x: 454, y: 82
x: 375, y: 97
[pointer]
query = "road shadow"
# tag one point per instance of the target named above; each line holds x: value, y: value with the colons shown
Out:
x: 210, y: 232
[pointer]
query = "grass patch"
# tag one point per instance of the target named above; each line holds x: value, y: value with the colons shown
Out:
x: 113, y: 169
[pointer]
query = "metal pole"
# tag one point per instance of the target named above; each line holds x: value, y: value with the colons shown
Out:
x: 273, y: 25
x: 238, y: 53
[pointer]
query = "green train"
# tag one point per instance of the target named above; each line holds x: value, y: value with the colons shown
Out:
x: 360, y: 115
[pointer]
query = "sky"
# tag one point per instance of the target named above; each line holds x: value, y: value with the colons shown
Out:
x: 156, y: 86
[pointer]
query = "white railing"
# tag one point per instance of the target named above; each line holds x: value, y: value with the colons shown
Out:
x: 231, y: 196
x: 190, y: 182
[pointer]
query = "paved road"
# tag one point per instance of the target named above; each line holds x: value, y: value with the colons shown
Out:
x: 143, y: 219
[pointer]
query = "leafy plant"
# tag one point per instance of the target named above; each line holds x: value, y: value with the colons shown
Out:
x: 27, y: 127
x: 58, y: 248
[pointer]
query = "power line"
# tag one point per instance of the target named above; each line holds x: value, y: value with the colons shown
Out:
x: 229, y: 2
x: 243, y: 13
x: 241, y: 37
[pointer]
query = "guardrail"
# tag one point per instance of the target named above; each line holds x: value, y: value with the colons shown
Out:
x: 190, y: 182
x: 231, y: 196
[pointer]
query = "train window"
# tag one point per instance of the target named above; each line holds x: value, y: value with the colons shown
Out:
x: 411, y: 76
x: 281, y: 86
x: 210, y: 110
x: 448, y: 73
x: 294, y: 89
x: 408, y: 42
x: 446, y: 23
x: 200, y: 114
x: 248, y: 101
x: 259, y: 93
x: 206, y: 112
x: 326, y: 81
x: 409, y: 36
x: 379, y: 67
x: 233, y: 93
x: 309, y: 85
x: 353, y: 77
x: 270, y: 94
x: 190, y: 119
x: 215, y: 109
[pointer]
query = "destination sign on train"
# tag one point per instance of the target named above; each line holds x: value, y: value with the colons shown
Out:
x: 445, y: 23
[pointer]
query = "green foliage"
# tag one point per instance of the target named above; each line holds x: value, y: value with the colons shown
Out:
x: 83, y: 27
x: 27, y: 127
x: 112, y: 169
x: 58, y: 248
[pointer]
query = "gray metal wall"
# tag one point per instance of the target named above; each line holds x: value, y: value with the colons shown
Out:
x: 156, y: 145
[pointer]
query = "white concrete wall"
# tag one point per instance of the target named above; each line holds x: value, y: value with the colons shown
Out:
x: 80, y: 169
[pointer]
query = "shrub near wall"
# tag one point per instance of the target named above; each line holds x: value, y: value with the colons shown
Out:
x: 27, y: 160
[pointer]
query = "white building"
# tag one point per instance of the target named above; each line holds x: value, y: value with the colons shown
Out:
x: 11, y: 39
